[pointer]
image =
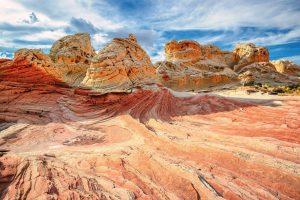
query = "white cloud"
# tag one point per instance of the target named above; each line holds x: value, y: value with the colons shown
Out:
x: 295, y: 59
x: 229, y: 14
x: 159, y: 57
x: 275, y: 39
x: 65, y: 10
x: 44, y: 35
x: 3, y: 55
x: 54, y: 19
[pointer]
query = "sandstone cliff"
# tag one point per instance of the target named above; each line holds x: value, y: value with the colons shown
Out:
x: 59, y: 140
x: 120, y: 66
x: 286, y: 67
x: 253, y: 66
x: 72, y: 56
x: 191, y: 66
x: 31, y: 66
x: 249, y: 53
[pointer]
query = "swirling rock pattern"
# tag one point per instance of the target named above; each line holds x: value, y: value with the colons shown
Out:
x: 58, y: 142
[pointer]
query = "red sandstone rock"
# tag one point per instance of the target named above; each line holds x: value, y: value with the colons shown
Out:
x: 59, y: 142
x: 191, y: 66
x: 71, y: 49
x: 30, y: 66
x: 120, y: 66
x: 250, y: 53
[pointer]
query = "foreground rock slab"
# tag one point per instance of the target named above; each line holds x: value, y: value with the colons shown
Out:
x: 63, y: 143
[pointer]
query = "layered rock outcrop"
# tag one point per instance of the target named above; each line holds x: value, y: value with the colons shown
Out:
x: 72, y: 49
x: 119, y: 67
x: 286, y: 67
x: 146, y: 145
x: 72, y: 56
x: 249, y: 53
x: 262, y: 72
x: 67, y: 62
x: 30, y: 66
x: 253, y: 66
x: 62, y: 142
x: 191, y: 66
x: 191, y: 52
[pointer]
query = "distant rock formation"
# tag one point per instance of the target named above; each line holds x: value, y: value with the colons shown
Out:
x: 70, y: 130
x: 30, y: 66
x: 72, y: 56
x: 119, y: 67
x: 72, y: 49
x: 286, y: 67
x: 253, y: 66
x: 123, y: 65
x: 262, y: 72
x: 191, y: 66
x: 249, y: 53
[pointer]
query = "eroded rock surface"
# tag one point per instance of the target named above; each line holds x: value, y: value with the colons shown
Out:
x: 120, y: 66
x: 263, y: 72
x: 249, y: 53
x: 72, y: 56
x: 60, y: 141
x: 146, y: 145
x: 286, y: 67
x: 191, y: 66
x: 31, y: 66
x: 71, y: 49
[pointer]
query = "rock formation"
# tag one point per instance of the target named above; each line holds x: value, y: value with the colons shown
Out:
x: 63, y: 139
x: 72, y: 56
x: 263, y: 72
x: 191, y: 66
x: 253, y: 66
x: 120, y: 66
x: 191, y: 52
x: 286, y: 67
x: 72, y: 49
x: 31, y: 66
x: 249, y: 53
x: 185, y: 78
x: 67, y: 62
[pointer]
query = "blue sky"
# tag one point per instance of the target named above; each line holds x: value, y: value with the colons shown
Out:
x: 37, y: 24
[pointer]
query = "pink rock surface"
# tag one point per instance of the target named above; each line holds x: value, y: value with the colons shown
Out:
x: 67, y: 143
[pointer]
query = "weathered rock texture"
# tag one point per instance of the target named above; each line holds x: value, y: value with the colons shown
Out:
x: 250, y: 53
x: 145, y: 145
x: 191, y: 52
x: 191, y: 66
x: 120, y: 66
x: 182, y: 78
x: 68, y: 62
x: 62, y: 142
x: 72, y: 49
x: 31, y: 66
x: 253, y: 66
x: 286, y: 67
x: 72, y: 56
x: 264, y: 72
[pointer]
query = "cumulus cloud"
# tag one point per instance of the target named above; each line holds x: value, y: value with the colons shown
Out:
x: 295, y: 59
